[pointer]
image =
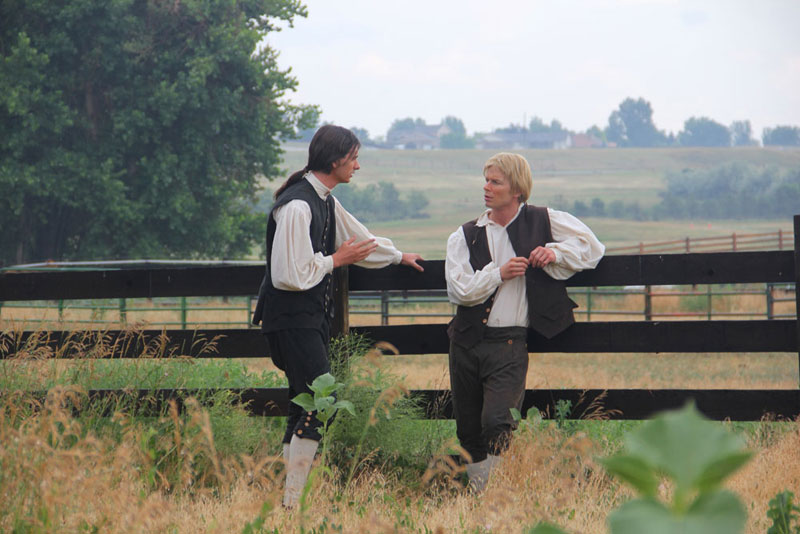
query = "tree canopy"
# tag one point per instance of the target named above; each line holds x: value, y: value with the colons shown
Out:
x: 138, y: 129
x: 703, y: 131
x: 632, y: 125
x: 782, y: 136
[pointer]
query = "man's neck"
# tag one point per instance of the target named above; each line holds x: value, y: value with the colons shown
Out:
x: 504, y: 215
x: 326, y: 179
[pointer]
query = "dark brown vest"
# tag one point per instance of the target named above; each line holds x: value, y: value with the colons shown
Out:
x: 549, y: 306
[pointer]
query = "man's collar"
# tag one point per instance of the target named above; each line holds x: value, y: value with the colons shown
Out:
x: 318, y: 186
x: 484, y: 219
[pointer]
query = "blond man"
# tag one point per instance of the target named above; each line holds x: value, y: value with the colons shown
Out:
x: 505, y: 270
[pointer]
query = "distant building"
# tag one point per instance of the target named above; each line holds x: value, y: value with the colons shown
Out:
x: 425, y: 137
x: 586, y: 141
x: 518, y: 140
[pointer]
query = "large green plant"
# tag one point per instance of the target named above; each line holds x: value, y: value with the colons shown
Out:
x: 683, y: 453
x: 135, y: 129
x: 695, y: 455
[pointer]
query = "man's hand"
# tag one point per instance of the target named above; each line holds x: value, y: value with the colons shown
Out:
x: 513, y: 268
x: 351, y: 252
x: 411, y: 260
x: 541, y: 256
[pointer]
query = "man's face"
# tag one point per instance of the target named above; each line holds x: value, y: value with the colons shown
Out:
x: 344, y: 168
x: 497, y: 191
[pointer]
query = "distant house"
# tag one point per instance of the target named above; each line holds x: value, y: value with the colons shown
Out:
x: 586, y: 141
x: 420, y: 137
x: 518, y: 140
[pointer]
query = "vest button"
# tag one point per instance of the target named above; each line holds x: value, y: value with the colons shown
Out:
x: 510, y: 341
x: 485, y: 321
x: 488, y: 310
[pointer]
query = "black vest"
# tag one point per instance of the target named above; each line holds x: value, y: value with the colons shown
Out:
x: 278, y: 309
x: 549, y: 306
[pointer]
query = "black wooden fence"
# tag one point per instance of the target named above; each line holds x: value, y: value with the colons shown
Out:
x: 595, y: 337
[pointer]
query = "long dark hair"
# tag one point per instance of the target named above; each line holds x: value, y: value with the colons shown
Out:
x: 330, y: 144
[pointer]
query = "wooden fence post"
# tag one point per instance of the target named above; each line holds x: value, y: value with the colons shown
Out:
x: 797, y: 284
x: 341, y: 292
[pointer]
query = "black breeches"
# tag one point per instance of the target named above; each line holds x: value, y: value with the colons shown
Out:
x: 486, y: 382
x: 302, y: 353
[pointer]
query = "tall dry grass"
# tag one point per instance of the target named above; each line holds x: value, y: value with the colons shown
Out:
x: 57, y: 478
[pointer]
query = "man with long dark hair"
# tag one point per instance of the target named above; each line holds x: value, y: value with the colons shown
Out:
x: 308, y: 235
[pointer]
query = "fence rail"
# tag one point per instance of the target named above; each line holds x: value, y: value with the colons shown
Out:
x: 735, y: 242
x: 780, y: 335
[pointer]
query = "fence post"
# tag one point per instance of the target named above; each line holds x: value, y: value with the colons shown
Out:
x: 770, y: 301
x: 341, y: 298
x: 780, y: 239
x: 710, y: 304
x: 588, y: 303
x: 797, y: 284
x: 183, y: 313
x: 733, y: 241
x: 384, y: 307
x: 688, y: 244
x: 60, y: 311
x: 123, y: 312
x: 648, y: 303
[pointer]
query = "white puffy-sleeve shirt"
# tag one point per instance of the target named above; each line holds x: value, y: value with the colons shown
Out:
x: 294, y: 266
x: 575, y: 245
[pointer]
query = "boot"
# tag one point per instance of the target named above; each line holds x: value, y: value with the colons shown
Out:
x: 479, y: 472
x: 301, y: 454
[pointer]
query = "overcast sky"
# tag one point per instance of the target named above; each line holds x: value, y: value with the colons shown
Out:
x: 492, y: 63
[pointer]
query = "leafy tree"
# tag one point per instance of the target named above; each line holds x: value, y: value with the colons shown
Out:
x: 703, y: 131
x: 632, y: 125
x: 381, y: 202
x: 457, y: 138
x: 136, y: 129
x: 731, y: 191
x: 741, y: 133
x: 362, y: 134
x: 537, y: 125
x: 781, y: 136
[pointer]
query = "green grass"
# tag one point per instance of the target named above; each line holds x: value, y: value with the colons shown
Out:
x: 452, y: 180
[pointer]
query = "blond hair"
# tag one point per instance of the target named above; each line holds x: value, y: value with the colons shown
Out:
x: 516, y: 169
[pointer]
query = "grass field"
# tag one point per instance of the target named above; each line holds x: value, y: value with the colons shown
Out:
x: 452, y: 180
x: 215, y: 470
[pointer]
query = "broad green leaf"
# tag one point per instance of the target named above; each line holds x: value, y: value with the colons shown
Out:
x: 716, y: 513
x: 534, y: 415
x: 718, y: 471
x: 305, y: 401
x: 545, y: 528
x: 347, y: 405
x: 719, y: 512
x: 682, y: 444
x: 634, y: 471
x: 324, y: 403
x: 642, y: 516
x: 515, y: 415
x: 322, y: 384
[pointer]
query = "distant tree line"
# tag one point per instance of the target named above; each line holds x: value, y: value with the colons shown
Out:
x: 732, y: 191
x: 630, y: 125
x: 370, y: 203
